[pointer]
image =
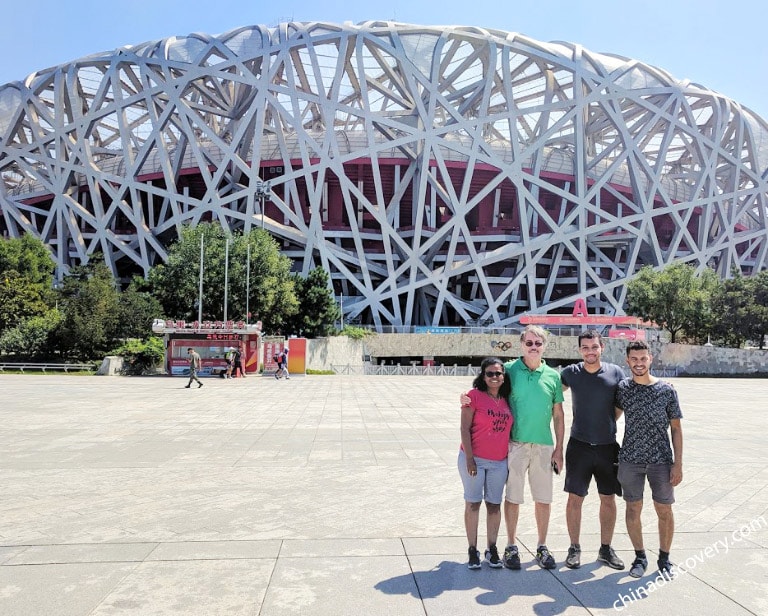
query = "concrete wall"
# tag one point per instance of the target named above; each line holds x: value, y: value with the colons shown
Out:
x: 463, y: 345
x: 685, y: 359
x: 322, y: 353
x: 697, y: 360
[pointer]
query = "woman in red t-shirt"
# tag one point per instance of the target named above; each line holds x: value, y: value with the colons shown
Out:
x: 485, y: 426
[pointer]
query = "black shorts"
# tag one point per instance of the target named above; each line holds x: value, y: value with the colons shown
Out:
x: 584, y: 461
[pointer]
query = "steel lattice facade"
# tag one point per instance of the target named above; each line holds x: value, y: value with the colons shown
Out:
x: 442, y: 175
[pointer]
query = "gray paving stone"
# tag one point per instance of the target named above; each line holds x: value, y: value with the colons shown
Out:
x: 232, y: 587
x: 327, y: 496
x: 82, y: 553
x: 60, y: 589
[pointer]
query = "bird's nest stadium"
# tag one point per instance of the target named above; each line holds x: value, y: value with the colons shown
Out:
x: 441, y: 175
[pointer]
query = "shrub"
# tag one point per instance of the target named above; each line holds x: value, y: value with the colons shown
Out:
x: 354, y: 332
x: 141, y: 356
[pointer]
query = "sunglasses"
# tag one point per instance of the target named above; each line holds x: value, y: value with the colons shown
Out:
x: 537, y: 343
x: 491, y: 374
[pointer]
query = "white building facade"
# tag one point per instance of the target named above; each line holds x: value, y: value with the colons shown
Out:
x: 442, y: 175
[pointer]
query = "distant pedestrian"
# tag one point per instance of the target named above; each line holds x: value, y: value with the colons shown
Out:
x: 237, y: 363
x: 228, y: 358
x: 194, y: 366
x: 652, y: 413
x: 282, y: 364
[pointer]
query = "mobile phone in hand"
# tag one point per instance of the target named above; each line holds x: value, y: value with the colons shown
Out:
x: 555, y: 468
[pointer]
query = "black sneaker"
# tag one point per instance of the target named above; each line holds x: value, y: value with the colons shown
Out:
x: 544, y: 558
x: 666, y: 569
x: 511, y: 557
x: 639, y: 565
x: 474, y: 558
x: 199, y: 385
x: 492, y: 556
x: 573, y: 560
x: 608, y: 556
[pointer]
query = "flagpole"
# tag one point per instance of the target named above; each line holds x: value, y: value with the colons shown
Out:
x: 200, y: 291
x: 248, y: 285
x: 226, y: 277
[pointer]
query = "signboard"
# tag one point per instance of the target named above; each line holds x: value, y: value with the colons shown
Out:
x: 580, y: 316
x: 422, y: 329
x: 172, y: 326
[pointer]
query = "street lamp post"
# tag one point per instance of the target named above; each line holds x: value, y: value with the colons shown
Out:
x: 263, y: 192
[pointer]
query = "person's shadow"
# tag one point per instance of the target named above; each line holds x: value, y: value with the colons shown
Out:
x: 559, y: 589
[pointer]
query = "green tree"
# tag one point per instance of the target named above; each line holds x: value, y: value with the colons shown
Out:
x: 740, y: 309
x: 268, y: 292
x: 31, y: 339
x: 676, y: 298
x: 20, y: 298
x: 318, y: 310
x: 29, y: 257
x: 761, y: 308
x: 137, y: 309
x: 26, y: 276
x: 90, y: 305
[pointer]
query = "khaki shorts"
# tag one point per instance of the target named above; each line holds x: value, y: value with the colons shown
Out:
x: 535, y: 461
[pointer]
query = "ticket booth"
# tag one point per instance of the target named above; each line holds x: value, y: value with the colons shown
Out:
x: 212, y: 340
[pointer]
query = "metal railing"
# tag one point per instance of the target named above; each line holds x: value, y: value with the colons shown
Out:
x: 408, y: 369
x: 442, y: 370
x: 44, y: 367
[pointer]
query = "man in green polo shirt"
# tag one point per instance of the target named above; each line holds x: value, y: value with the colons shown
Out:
x: 536, y: 402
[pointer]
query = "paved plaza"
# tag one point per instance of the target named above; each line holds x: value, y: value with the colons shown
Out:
x: 333, y: 495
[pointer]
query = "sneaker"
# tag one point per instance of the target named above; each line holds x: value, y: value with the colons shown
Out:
x: 639, y: 565
x: 199, y: 385
x: 544, y: 558
x: 186, y: 386
x: 609, y: 558
x: 492, y: 556
x: 666, y: 569
x: 573, y: 560
x: 474, y: 558
x: 511, y: 557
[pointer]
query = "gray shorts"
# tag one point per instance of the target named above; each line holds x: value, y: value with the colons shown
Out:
x: 632, y: 478
x: 489, y: 482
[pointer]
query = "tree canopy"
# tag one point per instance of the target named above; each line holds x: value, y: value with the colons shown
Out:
x: 90, y: 304
x: 267, y: 291
x: 29, y: 258
x: 740, y: 309
x: 319, y: 310
x: 676, y: 298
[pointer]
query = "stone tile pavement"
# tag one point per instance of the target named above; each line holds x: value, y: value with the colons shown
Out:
x: 331, y: 495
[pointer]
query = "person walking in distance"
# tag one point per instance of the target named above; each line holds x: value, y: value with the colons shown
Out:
x: 652, y: 414
x: 282, y: 364
x: 485, y: 424
x: 228, y: 359
x: 237, y: 363
x: 194, y: 366
x: 592, y: 449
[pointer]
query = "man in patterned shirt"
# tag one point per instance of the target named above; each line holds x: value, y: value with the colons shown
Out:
x: 652, y: 411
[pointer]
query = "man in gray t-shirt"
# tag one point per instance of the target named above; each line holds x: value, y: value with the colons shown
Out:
x: 652, y: 415
x: 592, y: 449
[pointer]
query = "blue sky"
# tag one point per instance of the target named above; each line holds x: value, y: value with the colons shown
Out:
x: 720, y: 45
